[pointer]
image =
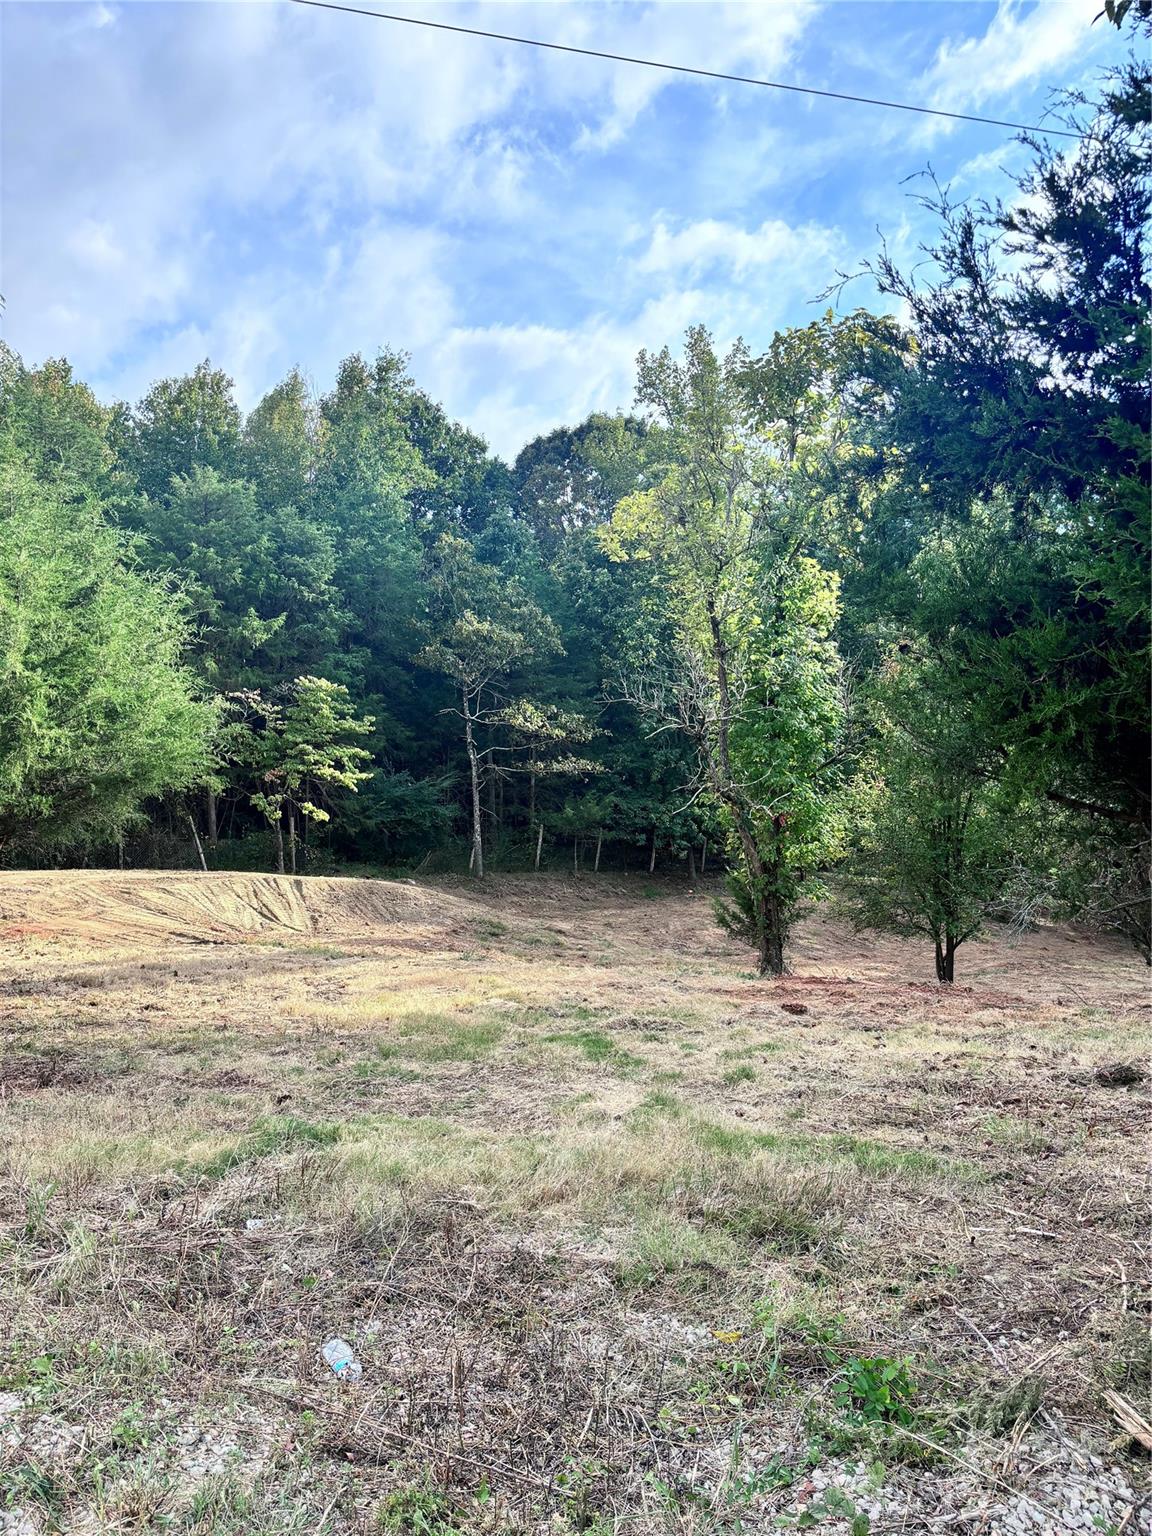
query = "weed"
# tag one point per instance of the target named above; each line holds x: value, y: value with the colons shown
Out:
x: 653, y: 1106
x: 36, y: 1203
x: 489, y: 928
x: 832, y: 1504
x: 578, y: 1484
x: 789, y: 1215
x: 998, y: 1409
x: 757, y: 1048
x: 440, y: 1038
x: 872, y: 1157
x: 874, y: 1389
x: 667, y: 1245
x: 129, y: 1431
x: 78, y: 1260
x: 1010, y: 1131
x: 30, y: 1484
x: 415, y: 1512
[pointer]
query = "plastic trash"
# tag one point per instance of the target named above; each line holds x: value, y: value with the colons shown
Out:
x: 338, y: 1355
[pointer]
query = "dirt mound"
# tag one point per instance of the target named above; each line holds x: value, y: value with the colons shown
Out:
x: 208, y: 908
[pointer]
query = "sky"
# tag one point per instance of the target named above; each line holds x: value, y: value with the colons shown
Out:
x: 272, y: 186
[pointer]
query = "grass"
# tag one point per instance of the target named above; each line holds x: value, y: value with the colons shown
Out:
x: 736, y: 1075
x: 439, y: 1038
x: 563, y: 1248
x: 598, y: 1048
x: 871, y: 1157
x: 1011, y: 1131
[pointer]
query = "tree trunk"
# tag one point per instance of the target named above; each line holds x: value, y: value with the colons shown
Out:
x: 539, y: 844
x: 199, y: 847
x: 599, y: 845
x: 576, y: 856
x: 771, y: 937
x: 768, y: 911
x: 292, y: 842
x: 210, y: 817
x: 490, y: 795
x: 691, y: 865
x: 279, y: 845
x: 946, y: 959
x: 477, y: 865
x: 652, y: 859
x: 704, y: 857
x: 531, y: 799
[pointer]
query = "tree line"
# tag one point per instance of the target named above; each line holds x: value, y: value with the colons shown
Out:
x: 870, y: 608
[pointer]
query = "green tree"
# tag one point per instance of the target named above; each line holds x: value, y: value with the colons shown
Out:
x: 482, y: 627
x: 56, y: 428
x: 939, y: 841
x: 259, y: 581
x: 749, y: 674
x: 367, y: 470
x: 463, y: 485
x: 181, y: 425
x: 280, y: 446
x: 1021, y: 429
x: 569, y: 481
x: 301, y: 748
x: 98, y: 712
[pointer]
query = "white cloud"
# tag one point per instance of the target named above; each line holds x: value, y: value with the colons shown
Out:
x: 1023, y: 45
x: 270, y: 186
x: 711, y: 243
x: 523, y: 379
x: 754, y: 39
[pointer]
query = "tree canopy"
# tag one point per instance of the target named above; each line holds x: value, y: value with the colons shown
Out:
x: 865, y: 613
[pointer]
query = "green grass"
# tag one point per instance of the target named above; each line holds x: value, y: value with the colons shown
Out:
x: 439, y: 1037
x: 664, y: 1245
x: 598, y: 1048
x: 872, y: 1157
x: 757, y: 1048
x: 1010, y: 1131
x: 392, y: 1070
x: 269, y: 1138
x: 489, y: 928
x: 736, y: 1075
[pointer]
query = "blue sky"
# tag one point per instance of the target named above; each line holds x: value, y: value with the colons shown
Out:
x: 269, y: 186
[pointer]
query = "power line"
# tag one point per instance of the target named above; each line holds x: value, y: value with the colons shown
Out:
x: 686, y: 69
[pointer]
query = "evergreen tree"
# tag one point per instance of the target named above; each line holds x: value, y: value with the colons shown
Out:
x: 98, y: 713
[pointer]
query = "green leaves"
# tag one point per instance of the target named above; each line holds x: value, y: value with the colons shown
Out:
x: 750, y: 676
x: 97, y: 711
x: 481, y: 624
x: 1018, y: 497
x: 874, y: 1389
x: 302, y: 748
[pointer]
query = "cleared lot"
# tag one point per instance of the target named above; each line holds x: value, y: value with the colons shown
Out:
x: 622, y: 1236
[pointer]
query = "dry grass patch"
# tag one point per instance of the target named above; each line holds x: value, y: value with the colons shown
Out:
x: 588, y: 1227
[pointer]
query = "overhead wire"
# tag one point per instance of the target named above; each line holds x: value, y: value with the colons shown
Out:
x: 685, y: 69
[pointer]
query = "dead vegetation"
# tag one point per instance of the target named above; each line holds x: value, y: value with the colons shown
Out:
x: 623, y: 1238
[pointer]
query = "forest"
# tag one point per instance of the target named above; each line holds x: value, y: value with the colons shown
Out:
x: 865, y: 615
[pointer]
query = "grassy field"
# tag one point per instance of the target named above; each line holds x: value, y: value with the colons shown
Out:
x: 624, y: 1238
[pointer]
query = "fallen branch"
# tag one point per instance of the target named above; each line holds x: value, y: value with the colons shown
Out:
x: 1129, y: 1419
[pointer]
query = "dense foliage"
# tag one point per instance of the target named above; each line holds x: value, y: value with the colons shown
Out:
x: 872, y: 606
